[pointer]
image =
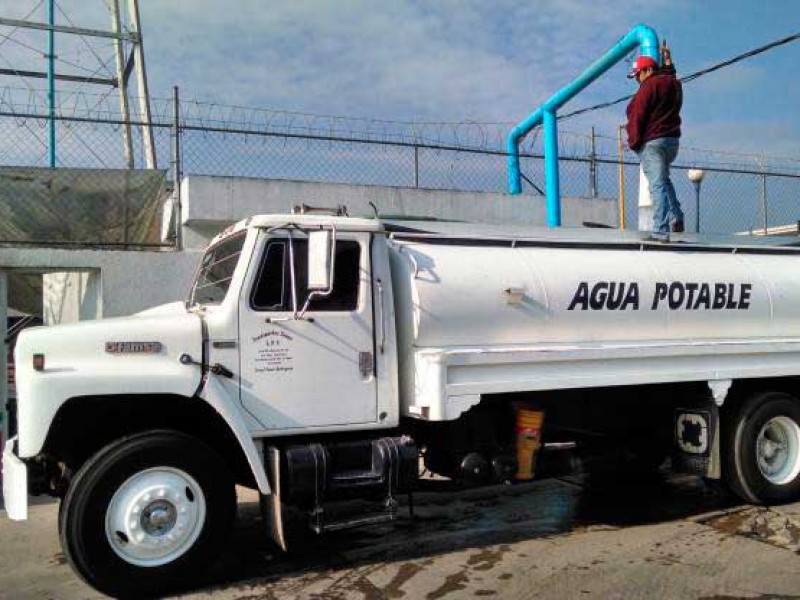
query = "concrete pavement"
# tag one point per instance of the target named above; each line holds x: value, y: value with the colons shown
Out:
x: 571, y: 537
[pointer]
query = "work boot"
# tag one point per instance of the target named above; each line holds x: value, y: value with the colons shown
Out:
x: 677, y: 226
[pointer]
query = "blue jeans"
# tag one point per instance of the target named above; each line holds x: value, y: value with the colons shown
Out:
x: 656, y: 156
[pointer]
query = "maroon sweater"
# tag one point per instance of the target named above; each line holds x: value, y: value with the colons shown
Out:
x: 655, y: 110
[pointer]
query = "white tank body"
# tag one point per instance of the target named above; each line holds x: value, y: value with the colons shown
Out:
x: 485, y: 316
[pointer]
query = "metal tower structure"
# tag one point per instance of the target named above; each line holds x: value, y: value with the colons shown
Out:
x: 123, y: 31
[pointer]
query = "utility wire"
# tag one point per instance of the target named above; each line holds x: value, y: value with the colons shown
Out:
x: 86, y: 43
x: 695, y: 75
x: 25, y: 18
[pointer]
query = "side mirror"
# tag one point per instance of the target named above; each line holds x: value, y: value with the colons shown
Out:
x: 320, y: 258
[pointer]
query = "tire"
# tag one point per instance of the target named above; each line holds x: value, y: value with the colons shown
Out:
x: 761, y: 449
x: 146, y: 514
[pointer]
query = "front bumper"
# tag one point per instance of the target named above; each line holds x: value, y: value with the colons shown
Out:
x: 15, y: 483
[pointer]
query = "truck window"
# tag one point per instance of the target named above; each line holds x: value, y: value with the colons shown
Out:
x: 268, y: 294
x: 216, y: 270
x: 272, y: 287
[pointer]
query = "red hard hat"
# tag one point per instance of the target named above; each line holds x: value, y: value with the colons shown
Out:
x: 641, y: 62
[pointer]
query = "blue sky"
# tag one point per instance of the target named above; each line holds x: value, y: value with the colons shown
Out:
x: 455, y: 60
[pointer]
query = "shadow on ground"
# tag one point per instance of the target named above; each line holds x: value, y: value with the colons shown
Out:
x: 449, y: 519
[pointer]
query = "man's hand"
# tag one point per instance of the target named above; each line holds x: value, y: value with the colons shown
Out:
x: 666, y: 55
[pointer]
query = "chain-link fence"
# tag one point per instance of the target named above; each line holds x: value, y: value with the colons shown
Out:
x: 739, y: 193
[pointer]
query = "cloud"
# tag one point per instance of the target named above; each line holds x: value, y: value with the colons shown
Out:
x: 448, y: 60
x: 415, y: 60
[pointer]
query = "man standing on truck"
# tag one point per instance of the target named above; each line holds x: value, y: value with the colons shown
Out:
x: 654, y: 127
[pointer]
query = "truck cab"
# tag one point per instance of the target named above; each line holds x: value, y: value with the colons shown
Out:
x: 318, y: 358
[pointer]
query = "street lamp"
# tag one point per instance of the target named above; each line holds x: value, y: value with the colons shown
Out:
x: 696, y: 177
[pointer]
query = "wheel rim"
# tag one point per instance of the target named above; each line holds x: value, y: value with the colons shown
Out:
x: 155, y: 516
x: 778, y: 450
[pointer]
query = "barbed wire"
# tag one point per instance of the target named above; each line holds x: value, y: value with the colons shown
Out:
x: 473, y: 135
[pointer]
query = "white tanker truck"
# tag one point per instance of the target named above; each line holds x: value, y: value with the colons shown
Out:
x: 317, y: 356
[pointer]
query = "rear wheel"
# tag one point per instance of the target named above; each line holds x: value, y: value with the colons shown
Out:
x: 146, y: 513
x: 762, y: 453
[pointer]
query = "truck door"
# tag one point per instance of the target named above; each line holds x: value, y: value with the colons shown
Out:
x: 310, y: 372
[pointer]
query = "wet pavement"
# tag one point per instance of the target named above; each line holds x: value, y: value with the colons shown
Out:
x: 577, y: 536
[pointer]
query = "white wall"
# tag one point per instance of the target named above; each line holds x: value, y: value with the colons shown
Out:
x: 112, y: 283
x: 71, y: 296
x: 211, y: 203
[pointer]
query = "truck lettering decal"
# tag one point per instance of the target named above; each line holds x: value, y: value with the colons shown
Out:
x: 273, y: 353
x: 133, y: 347
x: 674, y: 295
x: 615, y: 295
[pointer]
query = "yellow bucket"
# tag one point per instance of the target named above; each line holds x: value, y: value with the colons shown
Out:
x: 529, y: 439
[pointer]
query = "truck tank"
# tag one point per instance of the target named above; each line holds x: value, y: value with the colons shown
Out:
x: 488, y: 314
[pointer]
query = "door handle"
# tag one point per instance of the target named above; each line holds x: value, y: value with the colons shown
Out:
x: 218, y: 369
x: 382, y: 317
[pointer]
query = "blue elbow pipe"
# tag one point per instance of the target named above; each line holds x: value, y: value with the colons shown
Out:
x: 641, y: 36
x: 512, y: 149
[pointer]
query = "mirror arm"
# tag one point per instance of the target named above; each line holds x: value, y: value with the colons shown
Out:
x: 292, y: 276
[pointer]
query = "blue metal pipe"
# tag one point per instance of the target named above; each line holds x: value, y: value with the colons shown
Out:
x: 51, y: 83
x: 641, y: 36
x: 551, y: 168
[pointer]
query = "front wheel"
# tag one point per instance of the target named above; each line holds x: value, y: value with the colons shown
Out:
x: 762, y: 449
x: 146, y: 513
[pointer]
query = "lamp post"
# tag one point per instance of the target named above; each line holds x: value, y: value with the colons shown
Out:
x: 696, y: 177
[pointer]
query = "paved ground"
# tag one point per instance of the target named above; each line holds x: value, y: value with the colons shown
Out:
x: 571, y: 537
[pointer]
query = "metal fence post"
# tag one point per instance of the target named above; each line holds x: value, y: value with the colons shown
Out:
x: 176, y: 167
x: 592, y: 167
x: 416, y: 166
x: 51, y: 85
x: 763, y: 193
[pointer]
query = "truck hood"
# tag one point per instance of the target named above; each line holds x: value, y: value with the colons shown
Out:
x: 127, y: 355
x: 171, y: 325
x: 171, y: 309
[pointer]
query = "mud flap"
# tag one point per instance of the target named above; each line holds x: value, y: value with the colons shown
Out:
x: 696, y: 443
x: 271, y: 506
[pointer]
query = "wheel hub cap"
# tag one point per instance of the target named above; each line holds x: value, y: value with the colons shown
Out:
x: 159, y: 517
x: 778, y: 450
x: 155, y: 516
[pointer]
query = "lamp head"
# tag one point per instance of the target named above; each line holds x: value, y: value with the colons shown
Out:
x: 695, y: 175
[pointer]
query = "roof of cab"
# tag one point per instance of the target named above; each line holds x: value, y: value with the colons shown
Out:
x: 461, y: 232
x: 303, y: 221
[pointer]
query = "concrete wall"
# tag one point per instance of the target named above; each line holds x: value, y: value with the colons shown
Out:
x: 211, y: 203
x: 88, y: 283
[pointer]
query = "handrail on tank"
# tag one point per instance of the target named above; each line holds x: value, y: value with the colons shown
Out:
x: 641, y: 36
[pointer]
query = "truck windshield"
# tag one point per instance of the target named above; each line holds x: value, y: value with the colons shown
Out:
x: 216, y: 271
